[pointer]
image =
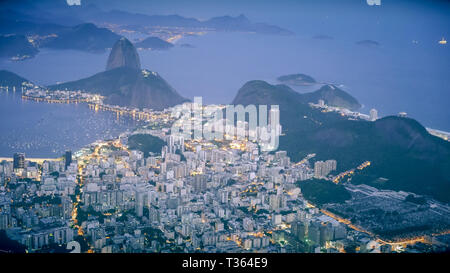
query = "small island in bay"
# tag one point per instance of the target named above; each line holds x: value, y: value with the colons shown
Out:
x: 322, y: 37
x: 154, y: 43
x: 368, y: 43
x: 297, y: 79
x: 187, y: 45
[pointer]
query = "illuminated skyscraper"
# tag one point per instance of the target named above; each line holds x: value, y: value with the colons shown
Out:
x: 139, y: 204
x: 314, y: 232
x: 298, y: 229
x: 322, y: 169
x: 19, y: 161
x: 373, y: 114
x: 68, y: 158
x: 199, y: 183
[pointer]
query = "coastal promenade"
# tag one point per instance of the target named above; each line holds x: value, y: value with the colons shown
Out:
x: 55, y: 100
x: 37, y: 160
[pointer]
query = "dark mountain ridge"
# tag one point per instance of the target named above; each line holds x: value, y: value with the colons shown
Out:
x: 399, y: 149
x: 86, y: 37
x: 16, y: 46
x: 10, y: 79
x: 333, y: 96
x: 91, y: 13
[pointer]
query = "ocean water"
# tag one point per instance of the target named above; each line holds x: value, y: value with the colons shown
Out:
x: 46, y: 130
x: 391, y: 78
x: 409, y: 71
x: 53, y: 66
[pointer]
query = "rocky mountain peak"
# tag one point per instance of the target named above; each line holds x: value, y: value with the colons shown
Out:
x: 123, y: 54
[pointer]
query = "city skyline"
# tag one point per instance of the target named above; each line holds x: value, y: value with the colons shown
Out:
x: 150, y: 127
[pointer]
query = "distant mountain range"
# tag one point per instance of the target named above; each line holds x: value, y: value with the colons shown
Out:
x: 125, y: 84
x: 32, y: 20
x: 401, y: 151
x: 61, y: 26
x: 92, y: 13
x: 333, y: 96
x: 86, y: 37
x: 14, y: 22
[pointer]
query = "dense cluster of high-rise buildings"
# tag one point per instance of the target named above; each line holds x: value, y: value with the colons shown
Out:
x: 323, y: 168
x: 195, y: 195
